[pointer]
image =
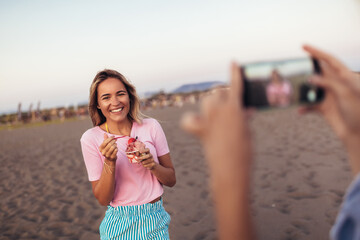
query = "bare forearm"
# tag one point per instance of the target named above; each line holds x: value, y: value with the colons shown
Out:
x: 165, y: 175
x: 231, y: 196
x: 104, y: 189
x: 230, y: 183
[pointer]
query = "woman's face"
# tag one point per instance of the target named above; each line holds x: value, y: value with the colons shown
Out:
x: 113, y: 100
x: 275, y: 77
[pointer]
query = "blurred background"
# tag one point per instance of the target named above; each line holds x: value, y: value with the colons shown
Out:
x: 172, y: 52
x: 51, y: 50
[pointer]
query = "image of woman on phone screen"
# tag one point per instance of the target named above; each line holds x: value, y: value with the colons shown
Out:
x: 278, y: 91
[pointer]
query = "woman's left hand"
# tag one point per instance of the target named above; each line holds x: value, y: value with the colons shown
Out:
x: 147, y: 160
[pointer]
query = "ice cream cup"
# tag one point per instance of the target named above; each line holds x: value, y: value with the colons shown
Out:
x: 132, y: 156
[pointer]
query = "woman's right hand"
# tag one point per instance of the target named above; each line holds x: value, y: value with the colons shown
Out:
x: 108, y: 148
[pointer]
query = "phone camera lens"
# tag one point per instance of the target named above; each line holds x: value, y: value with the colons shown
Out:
x: 311, y: 95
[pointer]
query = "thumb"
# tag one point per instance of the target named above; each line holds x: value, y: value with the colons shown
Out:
x: 105, y: 136
x: 319, y: 81
x: 192, y: 123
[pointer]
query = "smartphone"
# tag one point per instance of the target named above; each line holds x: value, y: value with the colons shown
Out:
x: 281, y: 83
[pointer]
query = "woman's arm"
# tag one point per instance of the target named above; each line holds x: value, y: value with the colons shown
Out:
x: 223, y: 130
x: 104, y: 188
x: 164, y: 170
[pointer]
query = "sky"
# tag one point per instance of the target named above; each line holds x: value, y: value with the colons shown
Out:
x: 50, y: 51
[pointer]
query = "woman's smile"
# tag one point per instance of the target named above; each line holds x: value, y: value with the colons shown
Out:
x: 113, y: 100
x: 117, y: 110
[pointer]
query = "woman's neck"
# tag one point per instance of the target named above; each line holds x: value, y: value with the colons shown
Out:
x: 123, y: 128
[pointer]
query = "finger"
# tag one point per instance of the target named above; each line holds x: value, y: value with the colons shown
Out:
x: 320, y: 55
x: 113, y: 156
x: 336, y: 87
x: 209, y: 102
x: 219, y: 94
x: 192, y: 123
x: 146, y: 161
x: 149, y: 165
x: 236, y: 84
x: 110, y: 151
x: 144, y: 157
x: 107, y: 139
x: 103, y: 145
x: 112, y: 144
x: 113, y: 147
x: 146, y: 150
x: 320, y: 82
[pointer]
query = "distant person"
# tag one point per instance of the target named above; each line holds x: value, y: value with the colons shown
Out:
x: 132, y: 191
x: 223, y: 117
x: 278, y: 90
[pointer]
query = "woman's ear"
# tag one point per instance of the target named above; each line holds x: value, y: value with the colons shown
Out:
x: 98, y: 107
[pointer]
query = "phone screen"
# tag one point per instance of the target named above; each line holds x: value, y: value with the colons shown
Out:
x: 282, y: 83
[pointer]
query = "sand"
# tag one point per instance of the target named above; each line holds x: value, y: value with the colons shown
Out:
x: 300, y: 176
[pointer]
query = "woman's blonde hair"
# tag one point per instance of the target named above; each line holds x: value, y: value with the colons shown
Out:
x: 96, y: 115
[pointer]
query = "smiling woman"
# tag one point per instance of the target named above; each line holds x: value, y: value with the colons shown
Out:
x: 122, y: 185
x: 96, y: 114
x: 113, y: 101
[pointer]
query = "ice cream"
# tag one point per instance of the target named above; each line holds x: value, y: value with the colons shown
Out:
x: 134, y: 149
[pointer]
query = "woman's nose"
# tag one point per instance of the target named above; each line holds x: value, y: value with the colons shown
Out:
x: 115, y: 101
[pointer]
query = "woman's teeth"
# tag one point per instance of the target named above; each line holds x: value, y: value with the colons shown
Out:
x: 117, y: 110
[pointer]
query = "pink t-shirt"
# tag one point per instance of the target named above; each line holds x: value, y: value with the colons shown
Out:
x: 134, y: 184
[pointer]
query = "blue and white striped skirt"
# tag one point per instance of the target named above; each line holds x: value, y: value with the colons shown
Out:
x: 147, y: 221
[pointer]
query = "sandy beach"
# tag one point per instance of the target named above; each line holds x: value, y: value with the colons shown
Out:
x: 300, y: 176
